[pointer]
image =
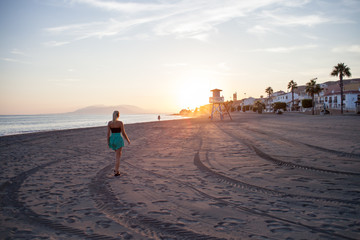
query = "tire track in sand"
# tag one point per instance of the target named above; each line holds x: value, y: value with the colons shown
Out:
x: 148, y: 226
x: 122, y: 212
x: 281, y: 163
x: 255, y: 188
x: 10, y: 200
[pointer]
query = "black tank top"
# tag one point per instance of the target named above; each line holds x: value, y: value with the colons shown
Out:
x: 115, y: 130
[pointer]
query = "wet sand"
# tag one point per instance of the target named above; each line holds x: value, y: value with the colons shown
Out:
x: 260, y: 176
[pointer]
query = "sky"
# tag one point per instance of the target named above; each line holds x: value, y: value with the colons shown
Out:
x: 166, y: 55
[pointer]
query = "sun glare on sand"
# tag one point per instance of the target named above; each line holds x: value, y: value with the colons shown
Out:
x: 193, y: 91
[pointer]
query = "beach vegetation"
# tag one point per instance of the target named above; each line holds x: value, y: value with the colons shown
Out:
x: 258, y: 106
x: 246, y: 108
x: 279, y: 106
x: 185, y: 112
x: 306, y: 103
x: 269, y: 91
x: 292, y: 85
x: 313, y: 88
x: 341, y: 70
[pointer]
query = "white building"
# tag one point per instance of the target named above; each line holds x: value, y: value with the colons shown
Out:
x: 274, y: 96
x: 248, y: 101
x: 332, y: 99
x: 287, y: 98
x: 328, y: 97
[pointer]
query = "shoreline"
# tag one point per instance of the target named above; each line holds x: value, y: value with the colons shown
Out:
x: 17, y: 127
x: 79, y: 129
x: 258, y: 176
x: 204, y: 116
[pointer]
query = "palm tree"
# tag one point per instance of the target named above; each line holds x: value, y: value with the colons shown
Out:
x: 292, y: 85
x: 341, y: 70
x: 259, y: 105
x: 312, y: 88
x: 269, y: 91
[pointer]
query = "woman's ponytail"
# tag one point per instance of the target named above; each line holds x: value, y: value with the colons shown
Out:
x: 115, y: 116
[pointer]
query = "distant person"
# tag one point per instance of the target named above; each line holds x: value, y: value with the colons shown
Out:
x: 159, y: 117
x: 115, y: 140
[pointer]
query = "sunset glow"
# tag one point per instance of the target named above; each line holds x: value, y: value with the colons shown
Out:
x: 193, y: 89
x: 59, y: 56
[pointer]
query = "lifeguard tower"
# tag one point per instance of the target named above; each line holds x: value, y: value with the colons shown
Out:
x: 216, y: 100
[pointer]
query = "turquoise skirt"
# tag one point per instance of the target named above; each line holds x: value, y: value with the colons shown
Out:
x: 116, y: 141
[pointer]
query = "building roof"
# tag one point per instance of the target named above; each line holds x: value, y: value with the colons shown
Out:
x: 275, y: 94
x: 338, y: 93
x: 345, y: 81
x: 215, y: 90
x: 352, y: 86
x: 332, y: 85
x: 330, y: 89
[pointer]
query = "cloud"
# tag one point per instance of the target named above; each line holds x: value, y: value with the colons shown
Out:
x: 278, y: 19
x: 72, y: 27
x: 258, y: 29
x: 55, y: 44
x: 141, y: 36
x: 350, y: 49
x: 184, y: 18
x: 111, y: 27
x: 14, y: 60
x: 284, y: 49
x: 9, y: 60
x: 296, y: 3
x: 129, y: 7
x: 18, y: 52
x: 312, y: 37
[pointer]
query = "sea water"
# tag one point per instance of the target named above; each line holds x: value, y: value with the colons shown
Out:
x: 20, y: 124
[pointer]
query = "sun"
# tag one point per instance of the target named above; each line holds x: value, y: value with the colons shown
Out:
x: 193, y: 91
x: 193, y: 98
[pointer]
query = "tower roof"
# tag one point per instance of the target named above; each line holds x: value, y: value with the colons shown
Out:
x: 215, y: 90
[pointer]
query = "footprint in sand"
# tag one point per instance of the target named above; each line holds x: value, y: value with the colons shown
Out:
x: 186, y: 221
x: 103, y: 224
x: 219, y: 205
x: 277, y: 227
x: 163, y: 212
x: 281, y: 230
x: 229, y: 224
x: 72, y: 219
x: 160, y: 201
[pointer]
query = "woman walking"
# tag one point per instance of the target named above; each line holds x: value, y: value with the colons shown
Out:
x: 115, y: 141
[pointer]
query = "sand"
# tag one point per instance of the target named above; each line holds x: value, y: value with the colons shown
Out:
x: 260, y: 176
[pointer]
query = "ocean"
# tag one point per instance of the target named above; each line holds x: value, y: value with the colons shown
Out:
x: 21, y: 124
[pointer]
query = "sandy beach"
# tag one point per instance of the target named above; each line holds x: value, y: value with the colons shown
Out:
x: 260, y: 176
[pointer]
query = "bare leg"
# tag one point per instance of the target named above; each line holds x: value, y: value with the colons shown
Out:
x: 118, y: 153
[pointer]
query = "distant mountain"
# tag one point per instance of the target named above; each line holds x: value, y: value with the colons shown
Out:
x: 100, y: 109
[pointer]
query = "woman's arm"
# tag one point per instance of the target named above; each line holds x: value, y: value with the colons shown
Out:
x: 124, y: 133
x: 108, y: 133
